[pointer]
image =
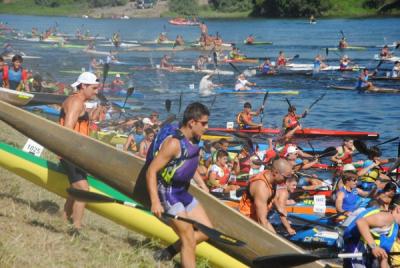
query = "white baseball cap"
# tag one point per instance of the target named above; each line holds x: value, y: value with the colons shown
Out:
x: 117, y: 75
x: 290, y: 150
x: 147, y: 121
x: 349, y: 167
x: 86, y: 78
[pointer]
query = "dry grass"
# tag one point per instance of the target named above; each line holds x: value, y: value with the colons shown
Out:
x: 32, y: 233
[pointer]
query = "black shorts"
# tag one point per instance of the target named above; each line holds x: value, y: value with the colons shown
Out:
x: 74, y: 173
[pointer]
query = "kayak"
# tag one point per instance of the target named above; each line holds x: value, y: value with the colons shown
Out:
x: 80, y: 71
x: 96, y: 52
x: 306, y: 132
x: 57, y: 45
x: 124, y: 172
x: 51, y: 177
x: 347, y: 48
x: 120, y: 45
x: 122, y: 94
x: 183, y: 22
x: 393, y: 58
x: 240, y: 60
x: 9, y: 56
x: 14, y: 97
x: 40, y: 98
x: 178, y: 69
x: 255, y: 91
x: 370, y: 90
x: 158, y: 42
x: 257, y: 43
x: 384, y: 78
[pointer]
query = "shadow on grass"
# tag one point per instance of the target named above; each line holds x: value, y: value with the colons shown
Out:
x: 46, y: 226
x: 47, y: 206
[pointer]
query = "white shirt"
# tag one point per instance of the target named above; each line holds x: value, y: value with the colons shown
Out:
x: 240, y: 84
x: 206, y: 85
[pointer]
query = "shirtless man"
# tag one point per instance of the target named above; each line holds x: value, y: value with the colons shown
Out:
x: 164, y: 64
x: 73, y: 115
x: 256, y: 202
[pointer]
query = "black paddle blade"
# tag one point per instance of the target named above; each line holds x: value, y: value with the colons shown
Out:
x: 265, y: 97
x: 283, y: 260
x: 106, y: 68
x: 361, y: 147
x: 130, y: 91
x: 288, y: 102
x: 296, y: 56
x: 168, y: 105
x: 215, y: 58
x: 180, y: 102
x: 327, y: 51
x: 218, y: 236
x: 330, y: 151
x: 89, y: 196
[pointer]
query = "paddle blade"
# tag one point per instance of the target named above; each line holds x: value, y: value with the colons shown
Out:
x: 129, y: 91
x: 283, y: 260
x: 296, y: 56
x: 168, y: 105
x: 106, y: 68
x: 215, y: 58
x: 87, y: 196
x: 327, y: 51
x: 180, y: 102
x: 361, y: 147
x: 330, y: 151
x: 218, y: 236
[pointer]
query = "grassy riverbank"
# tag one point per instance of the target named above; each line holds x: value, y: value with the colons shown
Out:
x: 340, y: 9
x: 34, y: 235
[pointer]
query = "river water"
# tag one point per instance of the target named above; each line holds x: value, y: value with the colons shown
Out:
x: 349, y: 110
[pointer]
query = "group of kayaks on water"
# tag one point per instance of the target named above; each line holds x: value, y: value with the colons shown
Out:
x: 259, y: 182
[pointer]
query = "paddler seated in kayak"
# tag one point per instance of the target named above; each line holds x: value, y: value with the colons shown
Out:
x: 164, y: 63
x: 291, y: 122
x: 257, y: 200
x: 117, y: 84
x: 243, y: 84
x: 219, y: 174
x: 297, y: 158
x: 344, y: 63
x: 282, y: 199
x: 17, y: 76
x: 319, y: 63
x: 3, y: 73
x: 73, y: 115
x: 385, y: 53
x: 362, y: 82
x: 201, y: 62
x: 348, y: 196
x: 179, y: 41
x: 312, y: 19
x: 266, y: 67
x: 370, y: 169
x: 396, y: 70
x: 116, y: 39
x: 244, y: 119
x: 171, y: 166
x: 218, y: 41
x: 135, y: 137
x: 250, y: 39
x: 162, y: 37
x: 375, y: 235
x: 343, y: 43
x: 206, y: 85
x: 344, y: 153
x: 281, y: 61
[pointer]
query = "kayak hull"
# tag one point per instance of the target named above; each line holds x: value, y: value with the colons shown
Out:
x: 127, y: 176
x: 369, y: 90
x: 255, y: 91
x: 14, y: 97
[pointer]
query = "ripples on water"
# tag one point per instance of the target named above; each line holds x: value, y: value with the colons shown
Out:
x: 338, y: 110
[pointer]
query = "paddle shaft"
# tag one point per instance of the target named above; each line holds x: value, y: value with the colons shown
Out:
x: 129, y: 92
x: 262, y: 107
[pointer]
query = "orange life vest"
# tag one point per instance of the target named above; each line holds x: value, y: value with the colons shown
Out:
x: 81, y: 126
x: 246, y: 204
x: 241, y: 118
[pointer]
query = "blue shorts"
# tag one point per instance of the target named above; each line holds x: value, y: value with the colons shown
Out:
x: 175, y: 199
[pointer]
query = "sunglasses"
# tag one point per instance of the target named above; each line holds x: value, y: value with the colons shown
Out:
x: 203, y: 123
x: 286, y: 176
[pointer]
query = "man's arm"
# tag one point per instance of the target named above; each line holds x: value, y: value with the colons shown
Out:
x: 261, y: 195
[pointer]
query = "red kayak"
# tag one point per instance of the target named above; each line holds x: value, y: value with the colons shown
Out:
x: 307, y: 132
x: 183, y: 22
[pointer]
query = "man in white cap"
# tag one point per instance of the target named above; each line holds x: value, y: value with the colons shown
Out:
x: 117, y: 84
x: 147, y: 123
x: 73, y: 115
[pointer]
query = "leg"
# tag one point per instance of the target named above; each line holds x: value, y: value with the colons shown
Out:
x: 68, y: 209
x: 79, y: 206
x: 198, y: 214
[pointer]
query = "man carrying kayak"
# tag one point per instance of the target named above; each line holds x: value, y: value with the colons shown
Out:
x: 362, y: 82
x: 168, y: 177
x: 244, y: 119
x: 73, y: 115
x: 250, y: 39
x: 256, y: 201
x: 243, y: 84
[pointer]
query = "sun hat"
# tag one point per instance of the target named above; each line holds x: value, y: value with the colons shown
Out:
x: 86, y: 78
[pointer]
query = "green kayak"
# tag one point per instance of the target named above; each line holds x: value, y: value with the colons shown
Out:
x: 257, y: 43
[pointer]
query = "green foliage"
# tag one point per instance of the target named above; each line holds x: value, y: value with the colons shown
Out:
x: 232, y: 5
x: 290, y: 8
x: 184, y: 7
x: 373, y: 3
x: 53, y: 3
x: 102, y: 3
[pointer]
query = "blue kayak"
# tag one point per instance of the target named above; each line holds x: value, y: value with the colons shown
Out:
x: 122, y: 94
x: 256, y: 91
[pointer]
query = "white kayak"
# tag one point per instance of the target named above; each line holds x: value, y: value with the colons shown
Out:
x: 14, y: 97
x: 393, y: 58
x: 120, y: 45
x: 9, y: 56
x: 178, y: 69
x: 97, y: 52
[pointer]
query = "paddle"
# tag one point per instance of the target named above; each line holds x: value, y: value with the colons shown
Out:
x: 215, y: 59
x: 234, y: 67
x: 262, y: 107
x: 363, y: 149
x: 180, y: 102
x: 292, y: 259
x: 210, y: 232
x: 398, y: 156
x: 100, y: 95
x: 129, y: 93
x: 312, y: 104
x: 168, y: 105
x: 213, y: 101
